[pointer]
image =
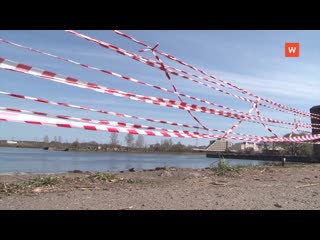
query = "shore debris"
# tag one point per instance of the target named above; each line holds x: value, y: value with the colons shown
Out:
x: 277, y: 205
x: 308, y: 185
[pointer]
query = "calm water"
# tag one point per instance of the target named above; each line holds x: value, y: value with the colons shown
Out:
x: 14, y: 160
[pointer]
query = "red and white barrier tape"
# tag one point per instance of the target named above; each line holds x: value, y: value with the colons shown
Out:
x: 172, y: 84
x: 122, y: 76
x: 150, y: 63
x: 213, y: 77
x: 130, y: 95
x: 296, y: 126
x: 103, y: 122
x: 125, y: 77
x: 278, y: 126
x: 240, y: 89
x: 18, y: 67
x: 241, y: 120
x: 115, y: 114
x: 264, y: 125
x: 45, y: 121
x: 293, y: 128
x: 157, y: 65
x: 119, y: 75
x: 315, y: 115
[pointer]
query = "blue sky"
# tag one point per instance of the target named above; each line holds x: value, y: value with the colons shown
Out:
x: 253, y: 60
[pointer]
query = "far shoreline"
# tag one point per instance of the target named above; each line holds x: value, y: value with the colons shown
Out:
x: 127, y: 152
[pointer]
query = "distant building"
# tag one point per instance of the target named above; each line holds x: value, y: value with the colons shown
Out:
x: 242, y: 146
x: 11, y: 142
x: 219, y: 145
x: 30, y: 142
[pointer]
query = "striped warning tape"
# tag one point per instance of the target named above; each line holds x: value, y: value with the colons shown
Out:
x: 151, y: 63
x: 172, y: 84
x: 46, y: 121
x: 296, y: 126
x: 121, y: 76
x: 213, y: 77
x: 128, y: 78
x: 157, y: 65
x: 113, y: 113
x: 18, y: 67
x: 103, y: 122
x: 120, y: 92
x: 241, y: 120
x: 10, y: 65
x: 264, y: 125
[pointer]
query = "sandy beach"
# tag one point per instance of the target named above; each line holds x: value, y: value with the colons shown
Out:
x: 259, y: 187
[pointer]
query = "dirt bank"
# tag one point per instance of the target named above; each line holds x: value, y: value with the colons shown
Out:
x: 263, y: 187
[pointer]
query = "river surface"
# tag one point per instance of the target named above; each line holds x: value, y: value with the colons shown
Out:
x: 15, y: 160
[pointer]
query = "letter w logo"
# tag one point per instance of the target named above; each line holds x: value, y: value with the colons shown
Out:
x: 292, y: 49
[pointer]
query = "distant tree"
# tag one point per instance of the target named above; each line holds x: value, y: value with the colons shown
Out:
x: 249, y: 150
x: 295, y: 149
x: 179, y: 147
x: 268, y: 146
x: 75, y: 145
x: 129, y: 140
x: 46, y: 139
x: 155, y: 147
x: 140, y: 141
x: 55, y: 139
x: 60, y: 139
x: 166, y: 145
x: 114, y: 139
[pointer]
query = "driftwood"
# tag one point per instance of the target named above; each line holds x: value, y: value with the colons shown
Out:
x: 219, y: 183
x: 308, y: 185
x: 127, y: 208
x: 5, y: 187
x: 88, y: 188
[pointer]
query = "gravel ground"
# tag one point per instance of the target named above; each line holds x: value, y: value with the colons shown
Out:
x: 263, y: 187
